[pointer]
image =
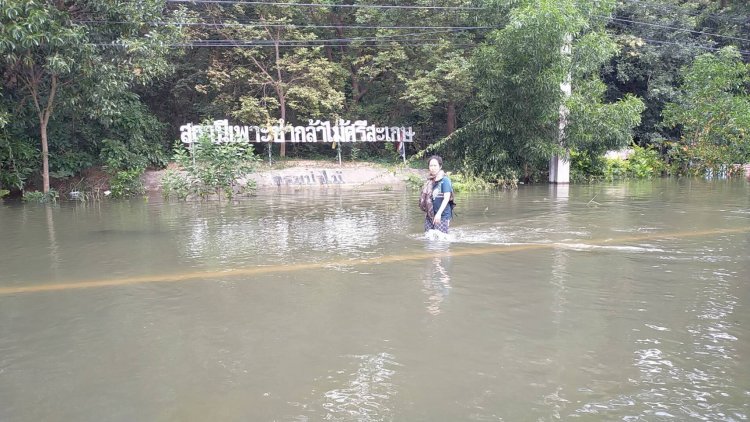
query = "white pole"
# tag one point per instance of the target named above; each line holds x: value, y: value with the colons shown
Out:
x: 559, y: 166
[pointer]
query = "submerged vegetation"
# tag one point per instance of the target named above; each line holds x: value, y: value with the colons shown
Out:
x: 50, y: 196
x: 106, y: 85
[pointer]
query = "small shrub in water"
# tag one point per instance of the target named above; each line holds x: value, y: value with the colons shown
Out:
x: 645, y: 163
x: 175, y: 184
x: 126, y: 183
x: 41, y: 197
x: 211, y: 169
x: 414, y: 181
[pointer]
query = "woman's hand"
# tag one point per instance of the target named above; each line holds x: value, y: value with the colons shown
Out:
x: 436, y: 220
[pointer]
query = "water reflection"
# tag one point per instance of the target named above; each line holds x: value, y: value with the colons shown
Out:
x: 239, y: 238
x: 436, y: 283
x: 559, y: 280
x: 53, y: 248
x: 559, y: 220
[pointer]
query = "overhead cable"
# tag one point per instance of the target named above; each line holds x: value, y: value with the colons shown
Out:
x: 241, y: 24
x: 242, y: 44
x: 675, y: 8
x: 371, y: 43
x: 289, y: 4
x: 678, y: 29
x: 283, y: 25
x: 703, y: 47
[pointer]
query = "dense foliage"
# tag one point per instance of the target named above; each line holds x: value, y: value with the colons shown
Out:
x: 712, y: 110
x: 99, y: 83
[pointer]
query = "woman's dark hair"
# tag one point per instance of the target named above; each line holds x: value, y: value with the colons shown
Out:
x: 435, y: 157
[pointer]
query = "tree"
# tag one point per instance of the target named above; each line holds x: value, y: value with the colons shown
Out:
x: 519, y: 71
x: 439, y: 81
x: 55, y: 59
x: 712, y: 111
x: 596, y: 126
x: 656, y: 40
x: 41, y: 49
x: 273, y: 68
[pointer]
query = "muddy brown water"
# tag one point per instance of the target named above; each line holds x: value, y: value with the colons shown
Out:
x: 606, y: 302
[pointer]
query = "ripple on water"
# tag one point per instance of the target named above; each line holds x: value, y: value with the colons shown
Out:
x: 366, y: 394
x: 690, y: 380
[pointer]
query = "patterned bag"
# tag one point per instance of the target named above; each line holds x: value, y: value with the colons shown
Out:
x: 425, y: 198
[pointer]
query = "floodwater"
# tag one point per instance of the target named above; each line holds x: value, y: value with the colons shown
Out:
x: 605, y: 302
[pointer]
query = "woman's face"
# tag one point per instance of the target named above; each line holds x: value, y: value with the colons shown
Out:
x: 434, y: 167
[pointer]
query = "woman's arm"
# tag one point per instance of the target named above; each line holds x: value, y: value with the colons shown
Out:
x: 446, y: 199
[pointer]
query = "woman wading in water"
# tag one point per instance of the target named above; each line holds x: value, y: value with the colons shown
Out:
x: 436, y: 199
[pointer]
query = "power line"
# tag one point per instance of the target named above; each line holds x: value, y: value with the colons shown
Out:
x: 309, y: 42
x: 250, y: 23
x: 456, y: 28
x: 681, y: 44
x: 394, y: 37
x: 695, y: 13
x: 364, y: 6
x: 245, y: 44
x: 402, y: 38
x: 283, y: 25
x: 656, y: 25
x: 703, y: 47
x: 370, y: 43
x: 378, y: 47
x: 449, y: 29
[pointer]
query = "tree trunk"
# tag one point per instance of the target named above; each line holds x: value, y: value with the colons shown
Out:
x: 45, y: 156
x: 355, y: 91
x: 280, y: 92
x: 451, y: 119
x: 526, y: 173
x: 34, y: 82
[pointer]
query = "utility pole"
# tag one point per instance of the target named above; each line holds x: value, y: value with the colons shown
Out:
x: 559, y: 165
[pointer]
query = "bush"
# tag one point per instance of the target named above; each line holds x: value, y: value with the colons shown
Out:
x: 126, y: 183
x: 461, y: 183
x: 175, y: 184
x: 464, y: 183
x: 211, y: 169
x: 615, y: 169
x: 585, y: 168
x: 643, y: 163
x: 712, y: 112
x: 124, y: 167
x: 41, y: 197
x: 414, y: 182
x: 18, y: 161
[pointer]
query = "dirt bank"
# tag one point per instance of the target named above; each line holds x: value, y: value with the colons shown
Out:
x: 315, y: 174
